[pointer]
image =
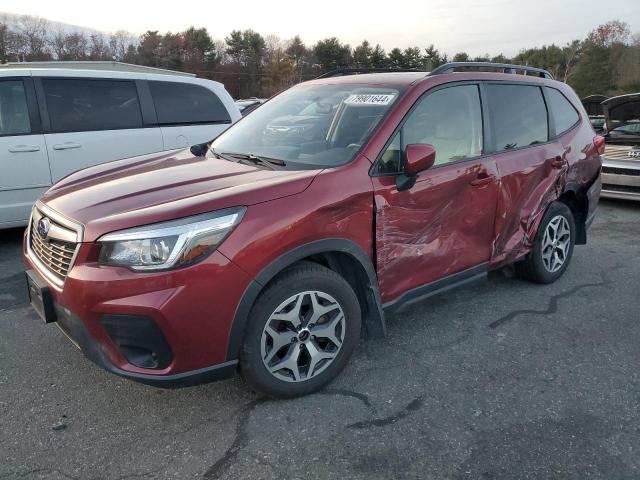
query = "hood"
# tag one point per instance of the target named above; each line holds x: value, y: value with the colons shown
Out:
x: 622, y: 116
x: 593, y: 104
x: 622, y: 110
x: 164, y: 186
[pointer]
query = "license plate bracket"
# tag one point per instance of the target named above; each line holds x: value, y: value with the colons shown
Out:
x: 40, y: 297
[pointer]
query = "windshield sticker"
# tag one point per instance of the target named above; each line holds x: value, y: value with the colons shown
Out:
x: 369, y: 99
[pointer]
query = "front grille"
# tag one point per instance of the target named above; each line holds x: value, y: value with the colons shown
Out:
x: 617, y: 152
x: 54, y: 254
x: 621, y: 188
x: 54, y: 249
x: 621, y: 171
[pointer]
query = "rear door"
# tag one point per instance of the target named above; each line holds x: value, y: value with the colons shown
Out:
x: 528, y: 163
x: 94, y: 120
x: 443, y: 225
x: 23, y: 153
x: 188, y: 114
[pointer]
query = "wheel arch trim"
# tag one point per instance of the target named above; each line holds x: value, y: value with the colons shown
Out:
x: 582, y: 198
x: 375, y: 323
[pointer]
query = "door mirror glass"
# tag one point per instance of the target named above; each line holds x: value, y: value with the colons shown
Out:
x: 419, y: 156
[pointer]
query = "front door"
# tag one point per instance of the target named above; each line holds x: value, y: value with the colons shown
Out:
x: 444, y: 223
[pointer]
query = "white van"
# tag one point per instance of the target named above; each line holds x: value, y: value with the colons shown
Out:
x: 56, y: 121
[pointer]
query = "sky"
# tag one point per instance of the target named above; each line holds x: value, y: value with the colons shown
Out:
x: 474, y: 26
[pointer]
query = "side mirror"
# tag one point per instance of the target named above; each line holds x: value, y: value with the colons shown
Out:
x: 418, y: 157
x: 198, y: 150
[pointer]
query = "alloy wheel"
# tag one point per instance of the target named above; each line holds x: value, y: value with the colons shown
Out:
x: 303, y: 336
x: 556, y: 243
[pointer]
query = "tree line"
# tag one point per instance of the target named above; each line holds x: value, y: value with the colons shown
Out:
x: 607, y: 61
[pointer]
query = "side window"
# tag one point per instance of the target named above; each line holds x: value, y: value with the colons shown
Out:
x: 564, y: 115
x: 182, y: 103
x: 450, y: 119
x: 14, y: 114
x: 77, y: 105
x: 518, y: 114
x: 390, y: 161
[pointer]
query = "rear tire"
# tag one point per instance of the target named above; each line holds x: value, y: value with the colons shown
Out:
x: 302, y: 331
x: 553, y: 246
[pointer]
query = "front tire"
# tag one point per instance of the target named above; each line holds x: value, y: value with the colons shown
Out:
x: 302, y: 331
x: 553, y: 246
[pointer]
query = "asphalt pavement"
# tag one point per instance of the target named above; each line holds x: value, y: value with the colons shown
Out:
x: 498, y: 380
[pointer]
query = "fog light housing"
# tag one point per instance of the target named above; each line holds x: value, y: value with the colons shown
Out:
x: 139, y: 340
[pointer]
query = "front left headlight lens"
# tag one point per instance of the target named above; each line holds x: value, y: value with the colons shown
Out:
x: 173, y: 244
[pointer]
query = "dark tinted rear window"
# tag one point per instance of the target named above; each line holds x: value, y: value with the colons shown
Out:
x: 77, y: 105
x: 564, y: 115
x: 519, y: 116
x: 14, y: 115
x: 180, y: 103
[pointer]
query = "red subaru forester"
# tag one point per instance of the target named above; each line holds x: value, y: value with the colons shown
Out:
x: 337, y: 202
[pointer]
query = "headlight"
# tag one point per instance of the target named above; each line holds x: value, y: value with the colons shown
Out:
x: 171, y: 244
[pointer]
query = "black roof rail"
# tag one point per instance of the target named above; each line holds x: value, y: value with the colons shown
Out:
x: 505, y: 67
x: 339, y: 72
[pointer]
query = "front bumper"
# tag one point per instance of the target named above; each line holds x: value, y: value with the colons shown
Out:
x: 190, y: 310
x: 75, y: 330
x: 621, y: 179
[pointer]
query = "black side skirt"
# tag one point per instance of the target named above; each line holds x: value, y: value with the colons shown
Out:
x: 429, y: 289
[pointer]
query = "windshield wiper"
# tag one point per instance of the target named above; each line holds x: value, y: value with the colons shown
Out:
x: 254, y: 159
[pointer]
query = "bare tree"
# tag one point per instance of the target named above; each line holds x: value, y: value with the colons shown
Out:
x: 220, y: 46
x: 98, y: 48
x: 571, y: 53
x: 5, y: 41
x: 33, y: 44
x: 58, y: 44
x: 119, y: 44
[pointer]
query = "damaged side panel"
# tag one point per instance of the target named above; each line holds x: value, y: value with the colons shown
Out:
x: 441, y: 226
x: 530, y: 180
x: 528, y: 184
x: 447, y: 223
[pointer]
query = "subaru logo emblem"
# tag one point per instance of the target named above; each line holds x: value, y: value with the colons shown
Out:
x: 44, y: 224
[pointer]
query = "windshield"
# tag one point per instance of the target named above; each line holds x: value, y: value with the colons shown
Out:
x: 310, y: 126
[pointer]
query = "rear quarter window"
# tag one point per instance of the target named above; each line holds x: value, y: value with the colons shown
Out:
x: 14, y: 114
x: 78, y: 105
x: 518, y: 116
x: 184, y: 103
x: 564, y: 115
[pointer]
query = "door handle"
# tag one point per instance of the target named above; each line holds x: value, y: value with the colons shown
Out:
x: 481, y: 180
x: 24, y: 148
x: 558, y: 162
x: 66, y: 146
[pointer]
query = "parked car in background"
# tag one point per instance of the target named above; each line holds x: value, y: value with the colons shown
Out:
x: 269, y: 253
x: 593, y: 105
x: 248, y: 105
x: 56, y: 121
x: 621, y: 159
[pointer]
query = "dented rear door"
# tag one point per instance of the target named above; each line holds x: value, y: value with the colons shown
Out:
x: 531, y: 167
